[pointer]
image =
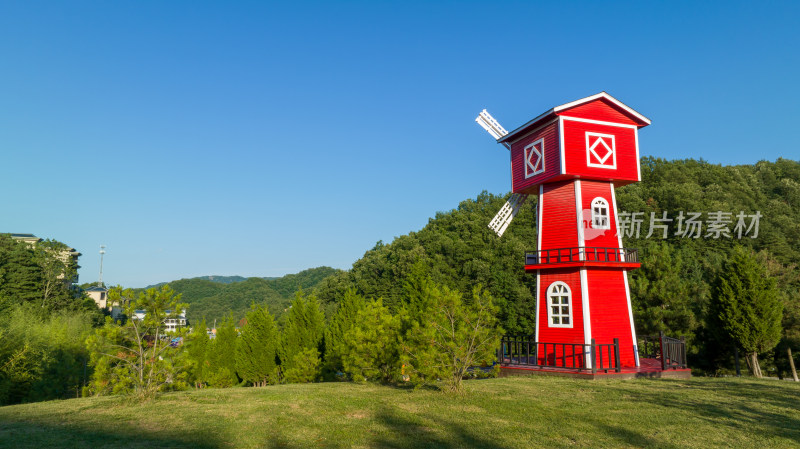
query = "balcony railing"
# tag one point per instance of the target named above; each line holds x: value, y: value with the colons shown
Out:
x: 524, y: 351
x: 671, y: 352
x: 582, y: 254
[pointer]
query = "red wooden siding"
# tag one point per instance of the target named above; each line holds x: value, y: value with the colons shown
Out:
x: 608, y: 303
x: 552, y: 163
x: 600, y: 109
x: 627, y: 163
x: 559, y: 224
x: 603, y: 238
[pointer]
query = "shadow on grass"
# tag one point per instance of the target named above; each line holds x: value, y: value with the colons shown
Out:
x: 770, y: 408
x: 26, y: 434
x: 413, y: 431
x: 630, y: 438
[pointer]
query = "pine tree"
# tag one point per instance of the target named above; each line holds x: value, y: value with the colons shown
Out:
x: 667, y: 293
x: 197, y: 345
x: 20, y: 274
x: 448, y: 336
x: 747, y: 306
x: 256, y: 348
x: 222, y: 355
x: 304, y: 367
x: 304, y: 329
x: 370, y: 349
x: 340, y: 323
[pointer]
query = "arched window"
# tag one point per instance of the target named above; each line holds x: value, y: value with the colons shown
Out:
x: 559, y: 305
x: 600, y: 214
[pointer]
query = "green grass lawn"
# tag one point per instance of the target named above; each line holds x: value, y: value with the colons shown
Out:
x: 510, y: 412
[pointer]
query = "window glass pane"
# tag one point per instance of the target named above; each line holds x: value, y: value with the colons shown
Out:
x: 555, y: 310
x: 565, y: 320
x: 555, y: 320
x: 564, y: 310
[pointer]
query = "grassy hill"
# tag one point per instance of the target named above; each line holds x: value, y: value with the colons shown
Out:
x: 498, y: 413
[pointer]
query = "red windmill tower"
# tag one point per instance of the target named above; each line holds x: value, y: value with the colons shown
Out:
x: 573, y: 156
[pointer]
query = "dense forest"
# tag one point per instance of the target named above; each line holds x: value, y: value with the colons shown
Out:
x: 215, y: 298
x: 44, y: 323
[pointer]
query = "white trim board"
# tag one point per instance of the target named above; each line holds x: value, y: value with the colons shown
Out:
x: 579, y: 213
x: 561, y: 145
x: 539, y: 248
x: 587, y: 316
x: 597, y: 122
x: 638, y: 162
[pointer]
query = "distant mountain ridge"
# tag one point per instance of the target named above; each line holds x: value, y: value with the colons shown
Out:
x: 216, y: 297
x: 212, y: 278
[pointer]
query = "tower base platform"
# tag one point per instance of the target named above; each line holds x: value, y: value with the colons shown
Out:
x: 648, y: 368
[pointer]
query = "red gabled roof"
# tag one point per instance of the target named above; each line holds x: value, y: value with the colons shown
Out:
x: 637, y: 118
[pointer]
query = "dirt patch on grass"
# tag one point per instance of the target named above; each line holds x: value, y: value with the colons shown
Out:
x: 409, y: 407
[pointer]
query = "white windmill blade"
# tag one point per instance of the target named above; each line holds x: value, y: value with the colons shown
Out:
x: 488, y: 123
x: 503, y: 218
x: 509, y: 210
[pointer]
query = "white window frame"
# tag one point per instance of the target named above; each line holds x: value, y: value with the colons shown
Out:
x: 590, y: 150
x: 530, y: 150
x: 596, y: 204
x: 559, y: 288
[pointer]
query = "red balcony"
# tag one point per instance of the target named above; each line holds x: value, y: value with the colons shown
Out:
x: 582, y: 256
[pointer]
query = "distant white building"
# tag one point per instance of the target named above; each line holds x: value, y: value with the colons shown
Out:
x: 174, y: 323
x: 171, y: 324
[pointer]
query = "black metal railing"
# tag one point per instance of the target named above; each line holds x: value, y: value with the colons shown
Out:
x: 523, y: 350
x: 581, y: 254
x: 671, y: 352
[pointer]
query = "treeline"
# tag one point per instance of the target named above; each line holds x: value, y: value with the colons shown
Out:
x: 436, y: 335
x: 43, y: 323
x: 216, y: 299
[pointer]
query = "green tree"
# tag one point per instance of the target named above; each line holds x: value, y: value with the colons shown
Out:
x: 342, y: 320
x: 57, y: 272
x: 137, y: 357
x: 370, y: 348
x: 447, y: 336
x: 304, y: 329
x: 197, y: 352
x: 304, y: 367
x: 20, y: 274
x: 256, y: 348
x: 222, y: 355
x: 668, y: 292
x: 748, y: 307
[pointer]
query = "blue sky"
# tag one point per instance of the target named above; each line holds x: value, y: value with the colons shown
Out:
x: 260, y: 139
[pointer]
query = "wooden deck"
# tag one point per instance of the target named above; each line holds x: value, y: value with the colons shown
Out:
x: 648, y: 368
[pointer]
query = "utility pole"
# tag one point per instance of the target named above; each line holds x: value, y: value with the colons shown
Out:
x: 102, y: 251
